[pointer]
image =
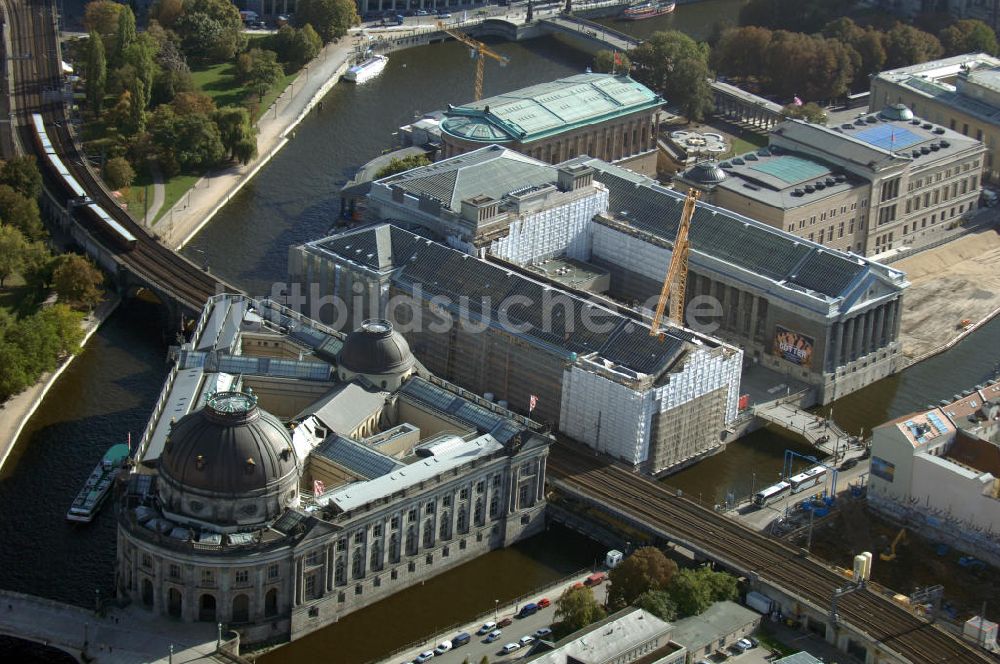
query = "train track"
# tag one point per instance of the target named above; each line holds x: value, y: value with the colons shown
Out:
x: 37, y: 69
x: 749, y: 552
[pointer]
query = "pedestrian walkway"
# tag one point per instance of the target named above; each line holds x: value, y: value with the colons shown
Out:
x: 123, y: 636
x: 159, y: 193
x: 820, y: 432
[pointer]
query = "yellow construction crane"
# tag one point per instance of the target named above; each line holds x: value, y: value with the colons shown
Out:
x: 479, y: 49
x: 676, y: 280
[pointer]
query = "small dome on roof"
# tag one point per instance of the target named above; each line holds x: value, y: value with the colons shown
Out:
x: 706, y: 172
x: 375, y: 349
x: 897, y: 112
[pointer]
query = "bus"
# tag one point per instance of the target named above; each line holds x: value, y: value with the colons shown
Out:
x: 772, y: 493
x: 807, y: 480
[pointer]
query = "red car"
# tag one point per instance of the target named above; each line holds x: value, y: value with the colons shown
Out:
x: 505, y: 622
x: 543, y: 602
x: 596, y: 579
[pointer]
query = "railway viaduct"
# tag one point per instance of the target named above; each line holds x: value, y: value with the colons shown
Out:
x: 33, y: 58
x: 867, y: 623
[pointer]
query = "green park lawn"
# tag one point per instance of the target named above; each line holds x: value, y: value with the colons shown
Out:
x: 746, y: 143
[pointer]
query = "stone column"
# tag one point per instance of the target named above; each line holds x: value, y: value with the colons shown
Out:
x: 511, y: 490
x: 859, y: 335
x: 848, y: 340
x: 880, y: 326
x: 330, y: 569
x: 298, y: 577
x: 258, y: 593
x: 541, y: 478
x: 897, y: 318
x: 832, y: 347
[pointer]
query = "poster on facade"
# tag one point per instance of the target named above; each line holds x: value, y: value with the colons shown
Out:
x: 792, y: 346
x: 883, y: 469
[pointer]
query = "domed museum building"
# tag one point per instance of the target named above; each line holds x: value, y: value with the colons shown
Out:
x: 290, y: 475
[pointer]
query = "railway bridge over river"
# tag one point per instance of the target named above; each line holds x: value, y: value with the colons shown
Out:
x: 867, y: 623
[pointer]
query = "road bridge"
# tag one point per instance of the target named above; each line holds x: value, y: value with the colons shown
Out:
x: 589, y: 36
x: 820, y: 432
x: 179, y: 284
x: 868, y: 623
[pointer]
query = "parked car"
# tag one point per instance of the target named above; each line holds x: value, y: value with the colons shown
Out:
x: 493, y: 636
x: 424, y: 656
x: 505, y: 622
x: 528, y: 609
x: 543, y: 603
x: 442, y: 648
x: 744, y: 644
x: 486, y: 628
x: 444, y: 15
x: 509, y: 648
x: 595, y: 579
x: 423, y: 12
x: 848, y: 464
x: 526, y: 640
x: 460, y: 639
x: 542, y: 632
x: 753, y: 642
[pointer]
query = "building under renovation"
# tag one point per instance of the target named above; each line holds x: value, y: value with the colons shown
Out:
x: 591, y: 371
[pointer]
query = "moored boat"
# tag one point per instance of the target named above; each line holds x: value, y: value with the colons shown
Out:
x: 366, y: 70
x: 646, y: 10
x: 98, y: 485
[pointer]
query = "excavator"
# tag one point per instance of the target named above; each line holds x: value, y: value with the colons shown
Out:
x: 890, y: 555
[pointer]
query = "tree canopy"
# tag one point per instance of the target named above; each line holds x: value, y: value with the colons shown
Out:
x: 906, y: 45
x: 77, y: 281
x: 398, y: 165
x: 611, y: 62
x: 968, y: 36
x: 22, y: 175
x: 694, y: 590
x: 210, y: 29
x: 676, y: 66
x: 646, y: 569
x: 659, y: 603
x: 576, y: 609
x: 329, y: 18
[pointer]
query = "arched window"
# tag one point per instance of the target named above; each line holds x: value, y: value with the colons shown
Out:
x: 340, y: 573
x: 463, y: 520
x: 241, y: 608
x: 429, y: 533
x: 376, y: 557
x: 175, y: 603
x: 271, y: 603
x: 479, y: 512
x: 206, y: 608
x: 357, y: 564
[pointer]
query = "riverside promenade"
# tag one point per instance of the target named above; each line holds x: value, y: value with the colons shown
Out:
x: 121, y: 636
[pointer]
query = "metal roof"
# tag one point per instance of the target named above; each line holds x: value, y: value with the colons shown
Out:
x: 357, y: 457
x: 345, y: 407
x: 493, y: 172
x: 549, y: 108
x: 482, y: 419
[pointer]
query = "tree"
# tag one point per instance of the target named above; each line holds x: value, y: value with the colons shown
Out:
x: 21, y: 212
x: 872, y: 51
x: 12, y: 249
x: 694, y: 590
x: 741, y: 52
x: 646, y: 569
x: 97, y: 72
x: 968, y: 36
x: 77, y: 281
x: 306, y: 45
x: 676, y: 66
x: 398, y: 165
x: 22, y: 175
x: 63, y: 324
x: 101, y: 16
x: 118, y: 173
x: 210, y: 30
x: 906, y: 45
x: 166, y: 12
x: 608, y: 62
x: 330, y: 18
x: 37, y: 267
x: 576, y: 609
x: 239, y: 135
x: 264, y: 73
x: 798, y: 15
x: 659, y: 603
x: 126, y: 34
x: 810, y: 112
x: 189, y: 142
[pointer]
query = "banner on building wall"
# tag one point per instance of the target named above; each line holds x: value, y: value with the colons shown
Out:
x: 792, y: 346
x: 883, y: 469
x: 744, y: 402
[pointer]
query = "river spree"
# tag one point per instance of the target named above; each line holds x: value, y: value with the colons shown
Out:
x: 110, y: 389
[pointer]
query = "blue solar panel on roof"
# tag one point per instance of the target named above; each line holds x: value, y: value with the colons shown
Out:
x: 889, y: 137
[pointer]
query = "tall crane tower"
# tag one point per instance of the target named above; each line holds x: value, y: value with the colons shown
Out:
x: 479, y: 50
x: 675, y: 282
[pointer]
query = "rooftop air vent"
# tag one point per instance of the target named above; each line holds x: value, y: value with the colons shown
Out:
x: 860, y: 122
x: 916, y: 121
x: 820, y: 185
x: 841, y: 177
x: 945, y: 144
x: 935, y: 147
x: 915, y: 153
x: 938, y: 130
x: 927, y: 125
x: 738, y: 161
x: 750, y: 156
x: 924, y: 149
x: 764, y: 152
x: 725, y: 164
x: 847, y: 125
x: 830, y: 182
x: 810, y: 189
x: 775, y: 149
x: 871, y: 119
x: 797, y: 191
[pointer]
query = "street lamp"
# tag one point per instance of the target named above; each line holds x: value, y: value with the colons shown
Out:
x: 496, y: 609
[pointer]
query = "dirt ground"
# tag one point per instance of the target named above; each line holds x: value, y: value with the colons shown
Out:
x: 917, y: 562
x: 948, y: 284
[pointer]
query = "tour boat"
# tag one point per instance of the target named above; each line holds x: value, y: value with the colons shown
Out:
x: 96, y: 489
x: 368, y: 69
x: 646, y: 10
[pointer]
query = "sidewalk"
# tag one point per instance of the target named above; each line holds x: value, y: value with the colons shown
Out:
x: 476, y: 648
x: 123, y: 636
x: 16, y: 411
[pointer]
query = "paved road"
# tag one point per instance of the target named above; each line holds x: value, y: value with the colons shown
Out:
x: 476, y: 648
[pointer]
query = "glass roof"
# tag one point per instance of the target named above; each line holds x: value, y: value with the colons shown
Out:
x: 791, y: 169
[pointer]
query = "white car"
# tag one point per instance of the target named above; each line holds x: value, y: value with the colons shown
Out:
x: 442, y: 648
x: 542, y: 632
x: 510, y: 647
x: 527, y: 639
x: 486, y: 628
x: 746, y: 644
x: 424, y: 656
x: 493, y: 636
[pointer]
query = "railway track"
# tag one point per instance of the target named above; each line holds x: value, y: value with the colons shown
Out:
x: 749, y: 552
x: 37, y: 70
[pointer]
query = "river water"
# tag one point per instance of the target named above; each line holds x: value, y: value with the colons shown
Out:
x: 110, y: 388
